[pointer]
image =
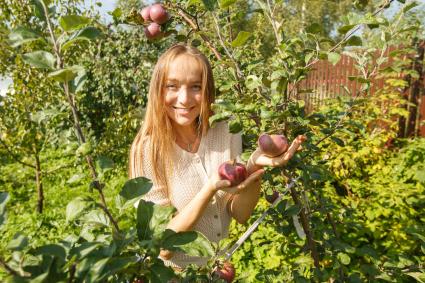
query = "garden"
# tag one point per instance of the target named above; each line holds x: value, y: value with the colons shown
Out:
x: 347, y: 75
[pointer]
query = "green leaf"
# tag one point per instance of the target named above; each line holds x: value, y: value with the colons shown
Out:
x: 84, y: 249
x: 241, y: 38
x: 18, y: 243
x: 344, y: 258
x: 116, y: 265
x: 161, y: 273
x: 226, y: 3
x: 266, y: 113
x: 96, y: 217
x: 85, y: 34
x: 104, y: 163
x: 419, y: 276
x: 314, y: 28
x: 97, y: 270
x: 135, y: 188
x: 333, y: 58
x: 67, y: 74
x: 277, y: 74
x: 84, y: 149
x: 219, y: 117
x: 252, y: 82
x: 409, y: 6
x: 338, y: 141
x: 76, y: 178
x: 75, y: 208
x: 292, y: 210
x: 4, y: 198
x: 209, y: 4
x: 345, y: 28
x: 73, y: 22
x: 235, y: 126
x: 420, y: 175
x: 116, y: 14
x: 152, y: 219
x: 40, y: 59
x: 354, y: 41
x: 76, y: 85
x: 37, y: 9
x: 22, y: 35
x: 191, y: 243
x: 54, y: 250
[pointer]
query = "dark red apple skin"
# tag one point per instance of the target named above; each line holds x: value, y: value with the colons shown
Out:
x: 158, y: 14
x: 145, y: 13
x: 235, y: 172
x: 273, y: 145
x: 227, y: 272
x: 153, y: 31
x: 271, y: 198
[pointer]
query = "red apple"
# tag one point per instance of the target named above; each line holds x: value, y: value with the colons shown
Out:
x: 153, y: 31
x: 226, y: 272
x: 234, y: 172
x: 271, y: 198
x: 273, y: 145
x: 158, y: 14
x: 145, y: 13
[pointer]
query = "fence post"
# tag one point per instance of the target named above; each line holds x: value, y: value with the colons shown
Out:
x: 416, y: 87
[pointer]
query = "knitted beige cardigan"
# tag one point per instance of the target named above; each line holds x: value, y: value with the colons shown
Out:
x: 191, y: 171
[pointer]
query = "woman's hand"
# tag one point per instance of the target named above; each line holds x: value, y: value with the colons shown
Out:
x: 216, y: 184
x: 258, y: 158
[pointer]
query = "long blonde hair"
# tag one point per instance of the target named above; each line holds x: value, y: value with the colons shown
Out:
x: 157, y: 126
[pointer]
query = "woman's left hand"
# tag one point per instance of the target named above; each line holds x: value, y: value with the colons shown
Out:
x: 258, y: 158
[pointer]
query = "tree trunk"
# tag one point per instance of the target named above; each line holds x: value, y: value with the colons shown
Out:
x: 306, y: 226
x: 39, y: 183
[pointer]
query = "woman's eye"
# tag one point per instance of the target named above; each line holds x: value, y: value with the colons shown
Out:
x: 170, y: 86
x: 197, y: 87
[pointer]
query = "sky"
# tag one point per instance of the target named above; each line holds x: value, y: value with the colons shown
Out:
x: 108, y: 6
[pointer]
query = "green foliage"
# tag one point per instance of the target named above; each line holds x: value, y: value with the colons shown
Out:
x: 79, y: 92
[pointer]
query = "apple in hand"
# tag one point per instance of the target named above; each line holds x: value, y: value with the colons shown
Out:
x: 158, y: 14
x: 235, y: 172
x: 226, y: 272
x: 273, y: 145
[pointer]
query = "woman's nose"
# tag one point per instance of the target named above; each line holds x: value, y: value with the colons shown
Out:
x: 184, y: 95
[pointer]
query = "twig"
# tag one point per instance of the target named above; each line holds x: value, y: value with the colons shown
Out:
x: 230, y: 55
x: 14, y: 156
x: 7, y: 268
x: 195, y: 27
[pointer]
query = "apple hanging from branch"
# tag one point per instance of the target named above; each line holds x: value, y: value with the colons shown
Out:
x: 225, y: 271
x: 154, y: 15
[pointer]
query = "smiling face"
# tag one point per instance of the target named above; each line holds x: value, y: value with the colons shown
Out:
x: 183, y: 91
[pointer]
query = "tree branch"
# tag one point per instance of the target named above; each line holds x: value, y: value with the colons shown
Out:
x: 14, y: 156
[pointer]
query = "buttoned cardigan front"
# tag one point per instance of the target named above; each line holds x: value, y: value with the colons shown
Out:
x: 190, y: 172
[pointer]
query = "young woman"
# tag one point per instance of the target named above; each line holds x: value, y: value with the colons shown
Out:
x: 180, y: 153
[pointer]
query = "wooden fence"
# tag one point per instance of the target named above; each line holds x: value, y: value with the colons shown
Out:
x: 328, y: 81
